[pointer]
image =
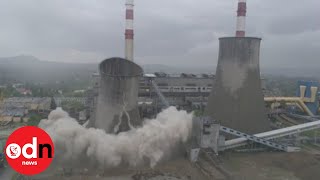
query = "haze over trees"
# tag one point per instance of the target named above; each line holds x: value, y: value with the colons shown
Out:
x: 45, y: 78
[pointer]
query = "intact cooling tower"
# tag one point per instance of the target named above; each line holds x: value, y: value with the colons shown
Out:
x: 236, y: 100
x: 117, y: 102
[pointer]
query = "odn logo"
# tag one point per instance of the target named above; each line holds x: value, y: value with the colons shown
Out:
x: 29, y: 150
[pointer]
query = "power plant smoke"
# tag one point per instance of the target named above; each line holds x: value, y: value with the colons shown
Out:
x: 151, y: 143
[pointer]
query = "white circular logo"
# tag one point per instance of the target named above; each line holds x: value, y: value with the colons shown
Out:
x: 13, y: 151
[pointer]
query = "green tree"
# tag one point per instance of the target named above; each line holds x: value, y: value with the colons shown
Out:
x: 34, y: 120
x: 72, y: 106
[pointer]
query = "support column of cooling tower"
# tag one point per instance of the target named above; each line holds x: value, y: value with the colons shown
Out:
x: 236, y: 99
x: 241, y: 18
x: 129, y: 47
x: 117, y: 102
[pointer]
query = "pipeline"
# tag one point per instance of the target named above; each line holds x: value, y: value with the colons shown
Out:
x: 297, y: 100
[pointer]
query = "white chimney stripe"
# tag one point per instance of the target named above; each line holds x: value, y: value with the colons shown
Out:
x: 129, y: 24
x: 241, y: 23
x: 129, y: 7
x: 129, y: 2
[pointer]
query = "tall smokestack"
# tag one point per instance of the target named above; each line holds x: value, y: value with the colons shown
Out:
x: 241, y: 18
x: 129, y: 30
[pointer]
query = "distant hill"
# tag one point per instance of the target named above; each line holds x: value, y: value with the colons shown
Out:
x: 150, y: 68
x: 31, y: 69
x: 293, y: 72
x: 276, y: 71
x: 19, y: 59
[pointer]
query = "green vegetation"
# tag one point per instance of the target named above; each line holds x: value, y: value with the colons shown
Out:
x: 287, y: 86
x: 9, y: 92
x: 34, y: 120
x: 310, y: 147
x: 311, y: 133
x: 74, y: 94
x: 37, y: 91
x: 46, y: 90
x: 18, y: 176
x: 2, y: 156
x: 72, y: 106
x: 198, y: 113
x: 49, y: 90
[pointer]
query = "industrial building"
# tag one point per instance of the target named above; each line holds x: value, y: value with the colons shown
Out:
x: 185, y: 91
x: 16, y: 109
x: 60, y: 100
x: 14, y: 114
x: 30, y: 103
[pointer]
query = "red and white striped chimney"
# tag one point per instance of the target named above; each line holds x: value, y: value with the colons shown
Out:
x: 241, y: 18
x: 129, y: 30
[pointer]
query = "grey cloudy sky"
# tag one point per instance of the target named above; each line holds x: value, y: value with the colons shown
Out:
x: 172, y: 32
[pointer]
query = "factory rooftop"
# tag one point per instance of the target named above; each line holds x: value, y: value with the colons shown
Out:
x: 16, y: 112
x: 30, y: 103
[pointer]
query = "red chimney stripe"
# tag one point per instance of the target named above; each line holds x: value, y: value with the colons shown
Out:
x: 242, y: 9
x: 129, y: 14
x: 129, y: 34
x: 240, y: 33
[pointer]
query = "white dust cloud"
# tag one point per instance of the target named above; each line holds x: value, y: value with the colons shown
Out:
x: 154, y: 141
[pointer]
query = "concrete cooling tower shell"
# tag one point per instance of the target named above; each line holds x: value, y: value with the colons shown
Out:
x: 117, y: 102
x: 236, y: 100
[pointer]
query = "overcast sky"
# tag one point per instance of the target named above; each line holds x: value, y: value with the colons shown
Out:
x: 172, y: 32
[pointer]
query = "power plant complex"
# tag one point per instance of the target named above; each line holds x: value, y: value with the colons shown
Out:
x: 231, y: 101
x: 231, y: 113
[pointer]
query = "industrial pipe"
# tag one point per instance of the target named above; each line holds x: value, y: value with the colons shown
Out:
x: 297, y: 100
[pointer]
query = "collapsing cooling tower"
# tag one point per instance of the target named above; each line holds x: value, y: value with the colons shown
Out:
x: 117, y: 102
x: 236, y: 100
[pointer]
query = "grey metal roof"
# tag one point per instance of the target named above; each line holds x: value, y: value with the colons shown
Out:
x: 17, y: 112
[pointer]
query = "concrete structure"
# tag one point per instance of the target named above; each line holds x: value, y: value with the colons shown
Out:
x: 258, y: 140
x: 116, y: 106
x: 209, y: 136
x: 179, y: 90
x: 307, y: 99
x: 298, y: 101
x: 236, y: 100
x: 278, y: 133
x: 241, y: 18
x: 308, y: 92
x: 185, y: 91
x: 194, y: 155
x: 129, y: 33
